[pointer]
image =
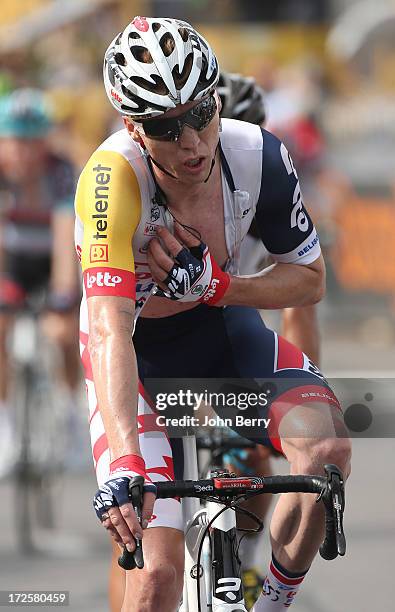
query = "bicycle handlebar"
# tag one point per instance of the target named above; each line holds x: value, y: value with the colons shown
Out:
x: 233, y: 487
x: 330, y: 490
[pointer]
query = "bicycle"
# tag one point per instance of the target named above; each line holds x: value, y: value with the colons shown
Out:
x: 212, y: 571
x: 222, y: 448
x: 39, y: 421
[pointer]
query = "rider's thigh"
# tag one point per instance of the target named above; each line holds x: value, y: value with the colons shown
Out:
x: 161, y: 580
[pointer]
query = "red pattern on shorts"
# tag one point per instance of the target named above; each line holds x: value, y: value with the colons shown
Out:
x: 288, y: 356
x: 296, y: 397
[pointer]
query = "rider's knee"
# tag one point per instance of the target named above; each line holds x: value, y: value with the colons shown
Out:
x: 163, y: 575
x: 328, y: 450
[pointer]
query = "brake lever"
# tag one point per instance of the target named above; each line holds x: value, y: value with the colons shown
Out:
x: 333, y: 497
x: 130, y: 560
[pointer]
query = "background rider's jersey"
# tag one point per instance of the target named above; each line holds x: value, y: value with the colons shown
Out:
x: 117, y: 213
x: 26, y: 226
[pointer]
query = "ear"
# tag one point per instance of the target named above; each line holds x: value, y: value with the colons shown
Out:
x: 133, y: 131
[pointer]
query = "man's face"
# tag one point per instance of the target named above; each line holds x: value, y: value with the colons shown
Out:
x: 20, y: 158
x: 189, y: 158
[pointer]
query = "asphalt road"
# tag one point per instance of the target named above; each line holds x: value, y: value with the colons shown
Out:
x: 75, y: 556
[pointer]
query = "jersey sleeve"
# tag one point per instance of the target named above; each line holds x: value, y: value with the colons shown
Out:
x: 108, y: 211
x: 283, y: 222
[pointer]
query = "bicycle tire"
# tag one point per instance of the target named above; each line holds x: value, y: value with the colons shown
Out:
x: 22, y: 479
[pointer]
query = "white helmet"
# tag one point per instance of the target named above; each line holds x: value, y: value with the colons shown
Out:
x: 155, y: 64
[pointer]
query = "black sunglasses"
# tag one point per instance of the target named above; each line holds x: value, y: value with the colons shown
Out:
x: 170, y: 129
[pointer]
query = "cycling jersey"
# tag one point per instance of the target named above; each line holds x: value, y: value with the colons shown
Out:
x: 118, y: 210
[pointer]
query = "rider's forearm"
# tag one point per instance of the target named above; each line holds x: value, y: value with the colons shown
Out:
x: 116, y: 383
x: 279, y: 286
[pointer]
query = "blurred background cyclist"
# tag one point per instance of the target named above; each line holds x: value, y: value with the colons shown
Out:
x: 36, y: 237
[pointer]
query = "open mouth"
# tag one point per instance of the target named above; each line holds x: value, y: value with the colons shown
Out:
x: 194, y: 164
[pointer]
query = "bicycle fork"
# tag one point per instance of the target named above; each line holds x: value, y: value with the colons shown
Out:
x: 220, y: 580
x: 219, y: 571
x: 227, y: 590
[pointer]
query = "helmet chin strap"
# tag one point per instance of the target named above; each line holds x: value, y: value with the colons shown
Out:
x: 212, y: 165
x: 158, y: 165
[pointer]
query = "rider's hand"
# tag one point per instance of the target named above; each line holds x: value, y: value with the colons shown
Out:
x: 112, y: 501
x: 189, y: 273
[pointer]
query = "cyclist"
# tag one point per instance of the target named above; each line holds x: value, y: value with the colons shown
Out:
x: 172, y: 163
x: 36, y: 226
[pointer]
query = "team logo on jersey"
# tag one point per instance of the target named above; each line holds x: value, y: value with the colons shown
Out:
x: 98, y: 252
x: 109, y: 281
x: 102, y: 279
x: 155, y: 213
x: 309, y: 247
x: 198, y: 290
x: 150, y: 229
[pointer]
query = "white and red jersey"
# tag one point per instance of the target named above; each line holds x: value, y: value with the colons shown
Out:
x: 117, y: 213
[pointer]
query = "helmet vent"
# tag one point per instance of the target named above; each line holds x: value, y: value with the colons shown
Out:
x: 158, y: 87
x: 156, y: 26
x: 141, y: 54
x: 134, y: 35
x: 181, y: 78
x: 120, y: 59
x: 184, y: 34
x: 167, y: 44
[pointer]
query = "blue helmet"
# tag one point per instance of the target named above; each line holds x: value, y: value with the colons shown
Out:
x: 25, y: 113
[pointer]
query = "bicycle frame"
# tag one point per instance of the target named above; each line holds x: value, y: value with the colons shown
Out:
x: 220, y: 585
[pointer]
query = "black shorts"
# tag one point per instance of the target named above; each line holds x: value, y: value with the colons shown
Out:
x: 231, y: 343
